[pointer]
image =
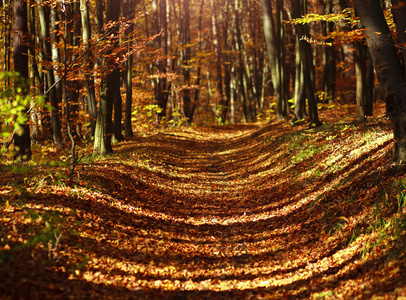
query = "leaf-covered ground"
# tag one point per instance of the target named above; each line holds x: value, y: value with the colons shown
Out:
x: 230, y: 212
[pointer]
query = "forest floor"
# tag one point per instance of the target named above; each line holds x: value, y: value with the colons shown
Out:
x: 252, y: 211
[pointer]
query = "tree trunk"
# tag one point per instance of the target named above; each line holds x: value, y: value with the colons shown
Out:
x: 104, y: 124
x: 103, y: 131
x: 370, y: 79
x: 226, y: 66
x: 199, y: 68
x: 22, y: 141
x: 162, y: 88
x: 300, y: 94
x: 399, y: 14
x: 47, y: 53
x: 188, y: 107
x: 240, y: 66
x: 329, y: 58
x: 118, y: 104
x: 6, y: 34
x: 217, y: 50
x: 307, y: 65
x: 389, y: 70
x: 273, y: 31
x: 71, y: 90
x: 128, y: 131
x: 360, y: 78
x: 54, y: 21
x: 89, y: 79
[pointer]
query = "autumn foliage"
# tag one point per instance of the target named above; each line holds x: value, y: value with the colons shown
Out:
x: 199, y: 150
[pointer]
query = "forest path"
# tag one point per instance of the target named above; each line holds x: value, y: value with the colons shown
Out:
x: 238, y: 213
x: 233, y: 212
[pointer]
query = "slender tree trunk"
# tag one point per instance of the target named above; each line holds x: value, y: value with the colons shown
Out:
x: 22, y: 140
x: 188, y: 107
x: 226, y: 66
x: 273, y: 31
x: 199, y: 68
x: 162, y: 88
x: 329, y: 58
x: 307, y: 65
x: 370, y: 87
x: 300, y: 93
x: 240, y: 67
x: 104, y: 124
x: 72, y: 89
x: 54, y: 21
x: 360, y: 77
x: 47, y: 53
x: 217, y: 50
x: 118, y: 105
x: 33, y: 33
x: 71, y: 85
x: 6, y: 33
x: 89, y: 79
x: 129, y: 65
x: 35, y: 124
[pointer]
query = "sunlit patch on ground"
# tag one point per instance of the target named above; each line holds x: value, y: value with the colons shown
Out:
x: 240, y: 212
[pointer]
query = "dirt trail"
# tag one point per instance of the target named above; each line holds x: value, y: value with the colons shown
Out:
x: 221, y: 213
